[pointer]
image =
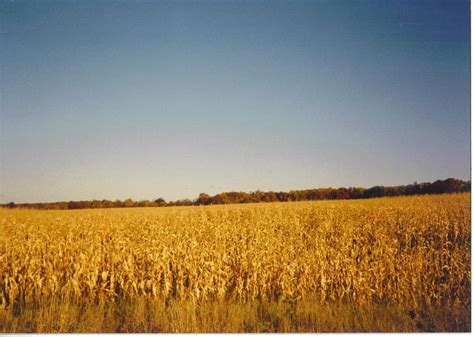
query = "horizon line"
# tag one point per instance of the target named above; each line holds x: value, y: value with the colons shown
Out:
x: 233, y: 191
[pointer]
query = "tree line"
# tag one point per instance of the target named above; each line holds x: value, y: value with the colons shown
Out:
x: 450, y: 185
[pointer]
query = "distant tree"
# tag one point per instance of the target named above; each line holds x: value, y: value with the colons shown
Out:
x: 183, y: 202
x: 108, y: 204
x: 73, y: 205
x: 269, y: 197
x: 160, y: 202
x: 96, y: 204
x: 219, y: 199
x: 374, y: 192
x: 203, y: 199
x: 452, y: 185
x: 356, y: 192
x: 342, y: 193
x: 143, y: 203
x: 128, y: 203
x: 282, y: 196
x: 466, y: 186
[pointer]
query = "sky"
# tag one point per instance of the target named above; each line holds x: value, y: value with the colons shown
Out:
x: 148, y: 99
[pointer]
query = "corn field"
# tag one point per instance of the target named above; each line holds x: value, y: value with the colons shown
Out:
x: 413, y: 251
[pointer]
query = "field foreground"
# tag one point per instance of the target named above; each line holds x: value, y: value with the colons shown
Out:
x: 391, y: 264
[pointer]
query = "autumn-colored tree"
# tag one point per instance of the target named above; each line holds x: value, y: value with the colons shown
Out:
x: 203, y: 199
x: 128, y: 203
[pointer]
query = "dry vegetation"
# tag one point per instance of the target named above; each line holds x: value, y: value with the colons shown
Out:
x: 391, y: 264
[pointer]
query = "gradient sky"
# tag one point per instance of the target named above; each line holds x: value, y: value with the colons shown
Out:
x: 141, y: 99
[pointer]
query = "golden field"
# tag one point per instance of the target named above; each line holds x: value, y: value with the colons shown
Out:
x: 389, y: 264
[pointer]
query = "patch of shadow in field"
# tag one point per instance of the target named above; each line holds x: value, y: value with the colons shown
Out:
x: 179, y: 316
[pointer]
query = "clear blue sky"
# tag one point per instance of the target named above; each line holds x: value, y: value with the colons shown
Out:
x: 147, y: 99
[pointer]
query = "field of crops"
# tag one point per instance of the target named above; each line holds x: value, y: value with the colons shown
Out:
x: 390, y: 264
